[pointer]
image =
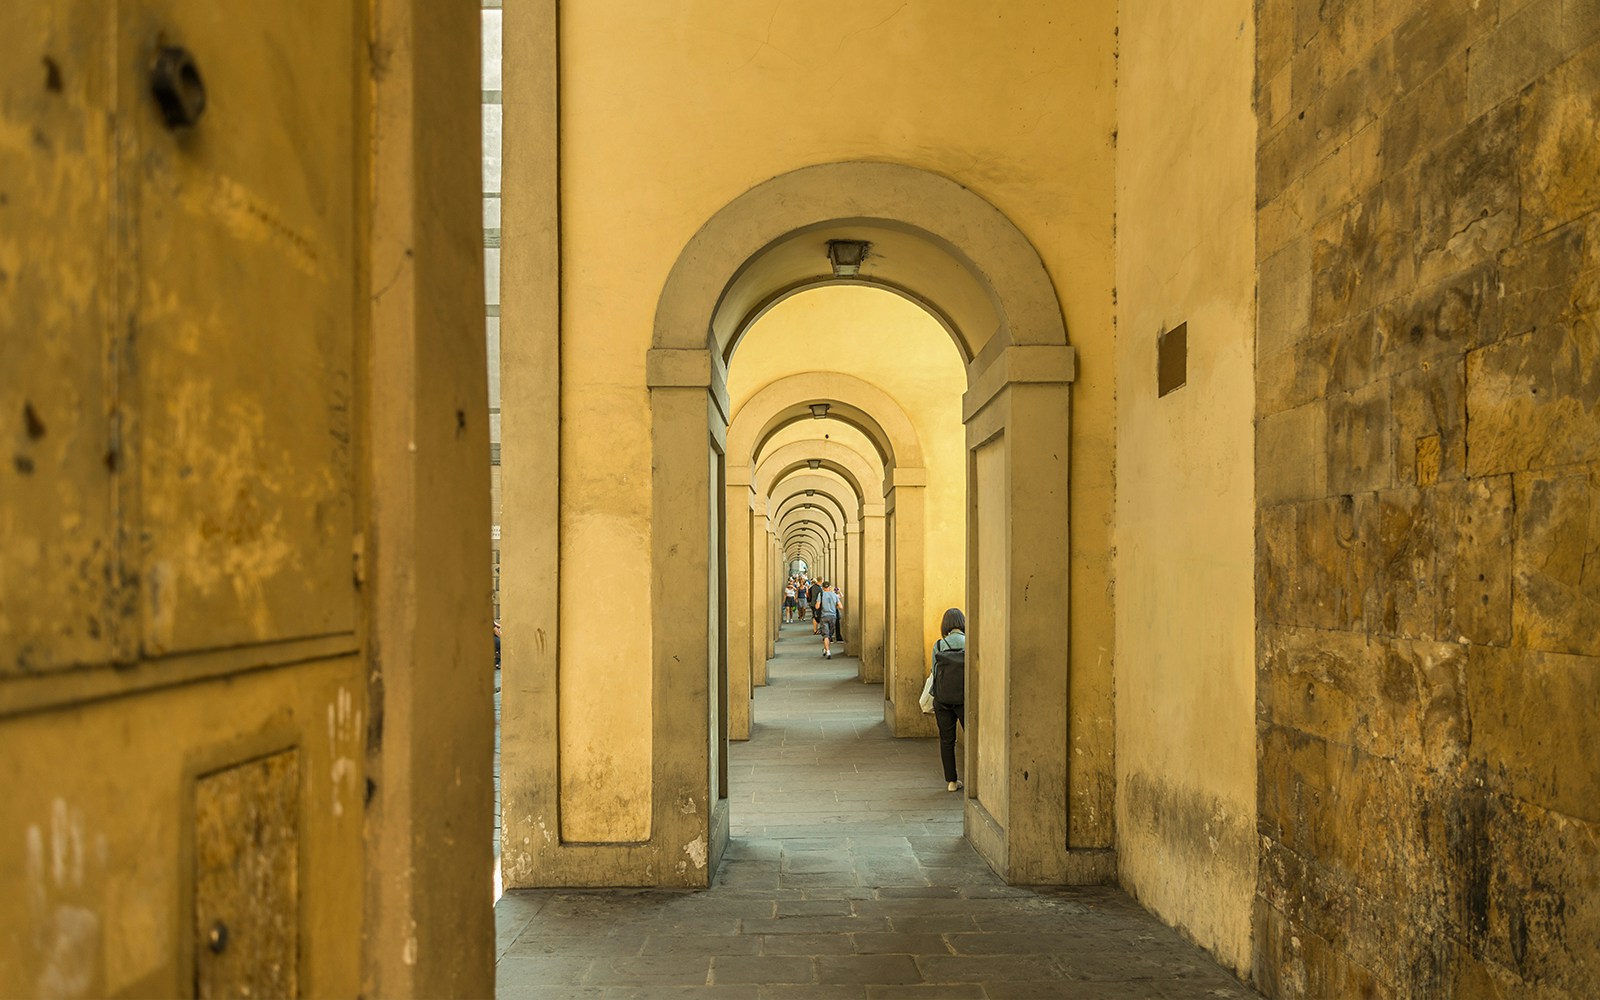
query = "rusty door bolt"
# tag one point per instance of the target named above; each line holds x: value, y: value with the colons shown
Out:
x: 176, y: 85
x: 217, y: 937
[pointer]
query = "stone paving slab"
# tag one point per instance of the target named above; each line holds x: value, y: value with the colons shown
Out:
x: 847, y: 878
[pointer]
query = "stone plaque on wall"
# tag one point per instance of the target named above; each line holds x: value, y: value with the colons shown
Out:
x: 1172, y: 359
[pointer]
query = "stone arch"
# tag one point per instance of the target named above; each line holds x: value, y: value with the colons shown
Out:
x: 944, y: 246
x: 839, y: 459
x: 938, y: 243
x: 850, y: 399
x: 830, y: 494
x: 830, y: 433
x: 801, y: 501
x: 843, y: 558
x: 816, y: 514
x: 822, y: 507
x: 805, y: 548
x: 808, y: 527
x: 804, y: 552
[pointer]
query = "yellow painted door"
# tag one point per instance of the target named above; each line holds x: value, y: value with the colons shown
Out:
x: 243, y: 341
x: 57, y: 279
x: 183, y: 716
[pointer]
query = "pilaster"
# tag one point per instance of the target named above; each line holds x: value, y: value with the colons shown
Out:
x: 852, y: 588
x: 1021, y: 777
x: 871, y: 593
x: 905, y: 663
x: 743, y: 587
x: 759, y: 595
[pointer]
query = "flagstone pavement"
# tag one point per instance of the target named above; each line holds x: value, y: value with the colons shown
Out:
x: 847, y: 878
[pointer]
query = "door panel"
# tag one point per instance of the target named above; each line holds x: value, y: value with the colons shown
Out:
x: 247, y: 879
x: 57, y: 516
x: 179, y: 318
x: 243, y: 341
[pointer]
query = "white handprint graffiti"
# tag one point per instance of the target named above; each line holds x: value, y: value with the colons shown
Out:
x: 344, y: 746
x: 66, y: 932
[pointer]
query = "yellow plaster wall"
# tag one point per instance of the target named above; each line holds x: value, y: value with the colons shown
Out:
x: 670, y: 111
x: 886, y: 340
x: 1185, y: 675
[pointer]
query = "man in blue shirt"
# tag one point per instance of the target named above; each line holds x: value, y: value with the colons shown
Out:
x: 828, y: 603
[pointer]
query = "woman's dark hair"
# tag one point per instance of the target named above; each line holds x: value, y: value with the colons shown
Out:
x: 953, y: 619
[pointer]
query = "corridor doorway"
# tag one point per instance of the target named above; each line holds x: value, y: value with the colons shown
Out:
x: 615, y: 749
x: 924, y: 238
x: 832, y: 390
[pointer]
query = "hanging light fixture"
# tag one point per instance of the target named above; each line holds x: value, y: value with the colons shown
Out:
x: 846, y: 256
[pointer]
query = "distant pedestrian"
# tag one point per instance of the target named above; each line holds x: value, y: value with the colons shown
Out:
x: 950, y: 689
x: 829, y: 603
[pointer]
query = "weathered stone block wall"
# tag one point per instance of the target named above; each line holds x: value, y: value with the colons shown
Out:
x: 1428, y: 485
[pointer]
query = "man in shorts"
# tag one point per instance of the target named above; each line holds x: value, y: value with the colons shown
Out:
x: 829, y: 604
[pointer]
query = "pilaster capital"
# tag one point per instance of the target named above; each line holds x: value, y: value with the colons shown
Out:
x: 681, y: 368
x: 898, y: 477
x: 1020, y: 363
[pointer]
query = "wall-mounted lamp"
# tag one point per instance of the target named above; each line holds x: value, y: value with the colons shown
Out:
x: 815, y: 463
x: 846, y: 256
x: 819, y: 410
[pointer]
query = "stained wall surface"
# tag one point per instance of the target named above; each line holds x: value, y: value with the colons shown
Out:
x: 1428, y: 406
x: 883, y: 339
x: 671, y: 111
x: 1185, y: 673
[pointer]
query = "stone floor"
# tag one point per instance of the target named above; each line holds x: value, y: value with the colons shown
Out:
x: 847, y: 878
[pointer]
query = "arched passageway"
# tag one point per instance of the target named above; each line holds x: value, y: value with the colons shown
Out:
x: 857, y: 465
x: 642, y: 798
x: 959, y: 258
x: 885, y: 488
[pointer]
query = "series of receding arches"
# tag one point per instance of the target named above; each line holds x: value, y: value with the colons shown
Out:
x: 732, y: 499
x: 823, y: 501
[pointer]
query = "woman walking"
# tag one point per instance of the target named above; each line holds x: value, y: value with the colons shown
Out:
x: 950, y: 689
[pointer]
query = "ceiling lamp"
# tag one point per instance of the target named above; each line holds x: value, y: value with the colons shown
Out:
x: 819, y: 410
x: 815, y: 463
x: 846, y: 256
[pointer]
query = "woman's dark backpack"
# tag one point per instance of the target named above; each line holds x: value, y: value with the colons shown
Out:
x: 949, y: 675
